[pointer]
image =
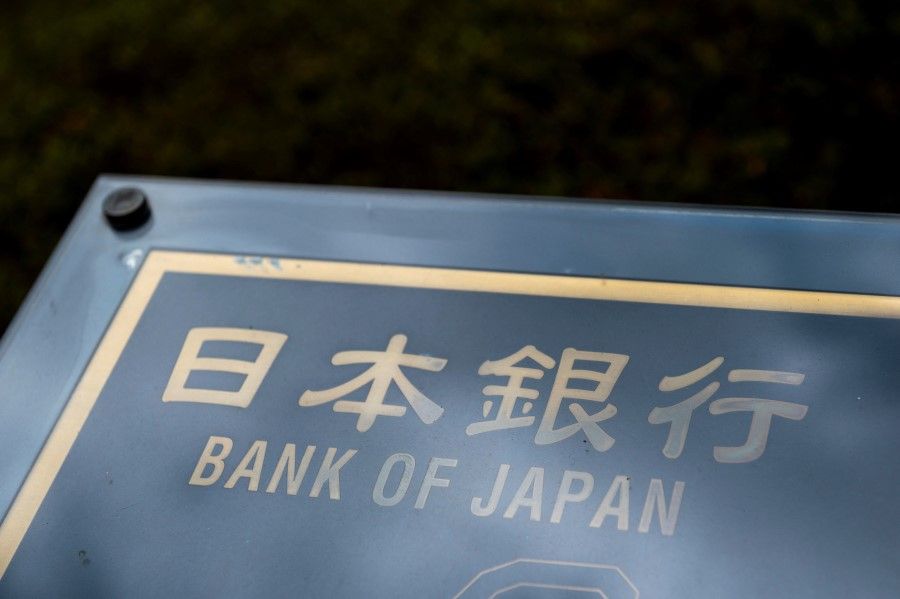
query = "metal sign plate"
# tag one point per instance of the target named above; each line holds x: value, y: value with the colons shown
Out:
x: 265, y: 425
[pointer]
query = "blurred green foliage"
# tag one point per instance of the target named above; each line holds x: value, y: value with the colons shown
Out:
x: 758, y: 102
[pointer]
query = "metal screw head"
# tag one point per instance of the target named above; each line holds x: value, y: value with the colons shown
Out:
x: 126, y: 209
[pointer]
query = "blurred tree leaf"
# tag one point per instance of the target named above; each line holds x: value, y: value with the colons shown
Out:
x: 754, y: 102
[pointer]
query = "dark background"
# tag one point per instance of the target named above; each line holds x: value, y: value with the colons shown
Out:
x: 762, y: 103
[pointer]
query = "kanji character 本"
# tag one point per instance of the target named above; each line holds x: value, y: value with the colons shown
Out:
x: 679, y: 415
x: 512, y: 391
x: 605, y: 380
x: 385, y: 369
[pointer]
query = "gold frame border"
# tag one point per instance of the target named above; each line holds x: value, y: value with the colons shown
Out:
x: 76, y: 411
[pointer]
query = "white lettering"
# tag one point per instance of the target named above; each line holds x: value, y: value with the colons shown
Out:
x: 409, y: 464
x: 618, y: 488
x: 431, y: 479
x: 208, y: 458
x: 330, y: 472
x: 478, y: 507
x: 250, y: 467
x: 668, y: 517
x: 565, y: 494
x: 285, y: 466
x: 528, y: 495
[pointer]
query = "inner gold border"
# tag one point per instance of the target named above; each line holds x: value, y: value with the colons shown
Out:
x: 158, y: 263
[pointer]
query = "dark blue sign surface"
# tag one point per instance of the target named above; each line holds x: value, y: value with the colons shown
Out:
x: 277, y: 427
x: 303, y: 391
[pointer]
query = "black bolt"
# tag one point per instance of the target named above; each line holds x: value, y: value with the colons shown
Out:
x: 126, y: 209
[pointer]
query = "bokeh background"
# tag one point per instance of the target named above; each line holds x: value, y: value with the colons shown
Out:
x: 761, y: 103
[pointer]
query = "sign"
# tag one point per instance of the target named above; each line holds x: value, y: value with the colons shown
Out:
x: 269, y: 426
